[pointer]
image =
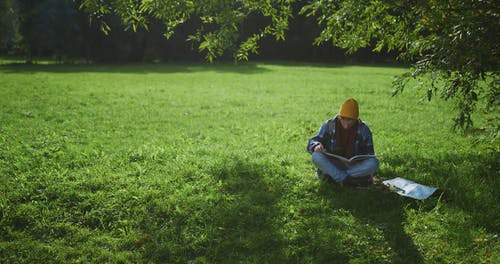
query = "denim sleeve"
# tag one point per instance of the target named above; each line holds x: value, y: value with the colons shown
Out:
x: 321, y: 137
x: 366, y: 146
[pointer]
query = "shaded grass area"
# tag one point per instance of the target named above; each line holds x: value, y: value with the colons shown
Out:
x: 207, y: 164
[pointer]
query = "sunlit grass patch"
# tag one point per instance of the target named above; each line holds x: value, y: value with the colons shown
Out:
x: 208, y: 163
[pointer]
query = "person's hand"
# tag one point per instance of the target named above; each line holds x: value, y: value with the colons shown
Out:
x: 319, y: 148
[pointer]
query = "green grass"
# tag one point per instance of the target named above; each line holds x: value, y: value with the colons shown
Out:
x: 208, y: 164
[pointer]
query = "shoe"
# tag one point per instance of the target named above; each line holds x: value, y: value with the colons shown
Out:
x: 377, y: 180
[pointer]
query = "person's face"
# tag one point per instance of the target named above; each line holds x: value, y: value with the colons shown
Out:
x: 347, y: 122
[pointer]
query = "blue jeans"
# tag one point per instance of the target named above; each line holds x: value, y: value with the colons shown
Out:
x: 339, y: 171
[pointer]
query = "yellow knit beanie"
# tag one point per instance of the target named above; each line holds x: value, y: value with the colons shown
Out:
x: 349, y: 109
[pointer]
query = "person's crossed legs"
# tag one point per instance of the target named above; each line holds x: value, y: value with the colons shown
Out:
x: 339, y: 171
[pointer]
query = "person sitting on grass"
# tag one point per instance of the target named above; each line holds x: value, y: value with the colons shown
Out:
x: 345, y: 135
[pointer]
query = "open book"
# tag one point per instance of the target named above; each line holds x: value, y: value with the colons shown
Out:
x: 352, y: 159
x: 409, y: 188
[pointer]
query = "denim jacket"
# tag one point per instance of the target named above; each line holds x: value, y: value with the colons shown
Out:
x: 326, y: 136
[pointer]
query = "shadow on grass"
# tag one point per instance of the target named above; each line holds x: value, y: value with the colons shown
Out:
x: 460, y: 177
x: 167, y: 68
x: 253, y: 215
x: 254, y: 67
x: 469, y: 182
x: 381, y: 209
x: 246, y: 216
x: 233, y: 221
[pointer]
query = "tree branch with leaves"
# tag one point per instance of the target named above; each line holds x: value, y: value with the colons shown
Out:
x: 220, y: 21
x: 454, y: 44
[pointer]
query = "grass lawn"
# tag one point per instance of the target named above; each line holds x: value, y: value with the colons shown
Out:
x: 208, y: 164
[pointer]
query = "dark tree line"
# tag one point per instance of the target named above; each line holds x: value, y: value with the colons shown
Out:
x: 58, y: 29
